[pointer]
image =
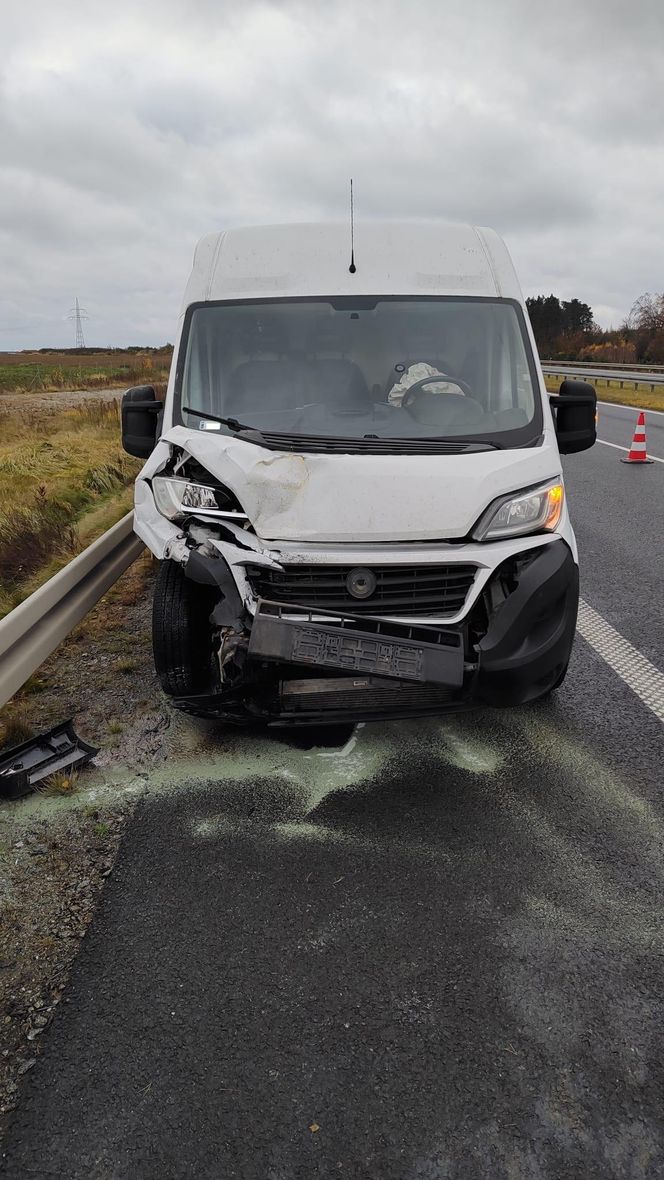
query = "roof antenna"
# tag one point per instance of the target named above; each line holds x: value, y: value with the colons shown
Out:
x: 352, y: 268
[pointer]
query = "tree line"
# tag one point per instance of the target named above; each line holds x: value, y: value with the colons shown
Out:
x: 566, y: 330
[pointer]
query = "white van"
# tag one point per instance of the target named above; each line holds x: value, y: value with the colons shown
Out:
x: 354, y: 482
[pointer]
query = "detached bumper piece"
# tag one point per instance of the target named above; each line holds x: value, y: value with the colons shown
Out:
x: 24, y: 767
x: 367, y: 646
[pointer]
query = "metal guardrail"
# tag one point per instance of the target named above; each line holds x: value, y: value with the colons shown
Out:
x: 30, y: 632
x: 630, y: 365
x: 621, y: 381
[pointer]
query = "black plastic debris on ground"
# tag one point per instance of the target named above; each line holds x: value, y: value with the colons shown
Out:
x: 23, y: 767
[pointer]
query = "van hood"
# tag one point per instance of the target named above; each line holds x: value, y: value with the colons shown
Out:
x: 350, y: 498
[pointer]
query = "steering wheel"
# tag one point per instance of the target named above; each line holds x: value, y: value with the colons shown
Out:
x: 409, y: 395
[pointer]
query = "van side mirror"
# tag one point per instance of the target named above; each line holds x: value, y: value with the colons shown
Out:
x: 140, y: 420
x: 575, y: 413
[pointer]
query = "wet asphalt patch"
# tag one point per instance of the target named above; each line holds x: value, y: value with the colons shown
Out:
x: 433, y: 951
x: 313, y: 737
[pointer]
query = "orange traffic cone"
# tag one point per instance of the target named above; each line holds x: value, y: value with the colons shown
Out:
x: 637, y: 451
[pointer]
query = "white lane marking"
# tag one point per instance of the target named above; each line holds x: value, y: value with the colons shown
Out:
x: 637, y: 672
x: 626, y: 449
x: 636, y: 409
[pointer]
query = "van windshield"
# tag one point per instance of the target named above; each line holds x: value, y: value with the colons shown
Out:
x: 363, y: 368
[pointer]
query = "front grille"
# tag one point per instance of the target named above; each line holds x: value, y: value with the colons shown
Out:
x: 400, y: 590
x: 363, y: 696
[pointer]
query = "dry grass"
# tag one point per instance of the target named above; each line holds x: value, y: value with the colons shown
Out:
x: 13, y: 731
x: 126, y: 665
x: 56, y: 468
x: 62, y: 782
x: 27, y: 372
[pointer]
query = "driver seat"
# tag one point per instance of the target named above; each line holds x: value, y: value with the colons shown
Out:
x: 336, y: 381
x: 269, y: 379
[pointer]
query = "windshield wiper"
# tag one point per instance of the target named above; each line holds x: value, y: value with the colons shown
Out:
x: 481, y: 444
x: 385, y: 442
x: 230, y: 422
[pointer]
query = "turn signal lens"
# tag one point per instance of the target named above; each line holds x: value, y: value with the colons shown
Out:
x: 528, y: 512
x: 555, y: 497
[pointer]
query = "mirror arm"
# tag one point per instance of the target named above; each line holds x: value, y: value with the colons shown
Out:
x: 570, y: 399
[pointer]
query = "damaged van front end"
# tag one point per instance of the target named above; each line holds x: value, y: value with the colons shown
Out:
x: 292, y: 631
x: 357, y: 498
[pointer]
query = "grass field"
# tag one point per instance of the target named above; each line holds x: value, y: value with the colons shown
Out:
x: 64, y: 479
x: 641, y: 396
x: 30, y: 371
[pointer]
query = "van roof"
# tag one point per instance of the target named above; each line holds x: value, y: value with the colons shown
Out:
x: 312, y: 259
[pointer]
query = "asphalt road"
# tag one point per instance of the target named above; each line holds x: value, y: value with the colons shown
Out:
x: 616, y: 425
x: 430, y: 950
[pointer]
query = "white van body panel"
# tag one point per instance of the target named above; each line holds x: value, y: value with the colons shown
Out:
x: 167, y: 541
x: 278, y: 261
x: 354, y: 498
x: 312, y: 259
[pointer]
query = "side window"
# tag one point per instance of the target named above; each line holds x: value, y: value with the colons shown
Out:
x: 197, y: 367
x: 512, y: 387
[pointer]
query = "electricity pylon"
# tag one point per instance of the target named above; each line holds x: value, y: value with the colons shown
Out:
x: 78, y: 314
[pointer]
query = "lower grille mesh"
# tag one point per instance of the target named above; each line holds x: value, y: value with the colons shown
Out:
x: 367, y: 697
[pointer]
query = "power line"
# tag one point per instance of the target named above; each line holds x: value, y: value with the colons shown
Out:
x: 78, y: 314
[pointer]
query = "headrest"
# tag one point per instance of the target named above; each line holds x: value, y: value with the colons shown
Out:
x: 424, y: 340
x: 331, y: 334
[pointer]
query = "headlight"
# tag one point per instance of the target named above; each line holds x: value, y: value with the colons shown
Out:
x: 180, y: 497
x: 527, y: 512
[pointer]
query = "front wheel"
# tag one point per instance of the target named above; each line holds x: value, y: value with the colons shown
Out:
x: 182, y: 635
x: 556, y: 684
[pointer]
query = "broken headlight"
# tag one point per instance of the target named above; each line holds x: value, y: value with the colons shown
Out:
x: 176, y: 498
x: 524, y: 512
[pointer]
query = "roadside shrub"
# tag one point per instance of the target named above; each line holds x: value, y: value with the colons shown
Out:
x: 62, y: 782
x: 104, y: 479
x: 30, y: 536
x: 58, y: 466
x: 13, y: 731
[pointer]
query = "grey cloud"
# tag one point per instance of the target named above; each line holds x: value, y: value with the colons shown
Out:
x: 125, y: 136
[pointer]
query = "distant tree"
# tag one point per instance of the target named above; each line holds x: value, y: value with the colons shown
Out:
x: 578, y: 317
x: 546, y: 318
x: 646, y: 313
x: 558, y: 325
x: 644, y: 326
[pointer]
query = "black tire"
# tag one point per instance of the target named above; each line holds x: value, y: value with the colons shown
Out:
x: 560, y: 679
x: 555, y: 686
x: 182, y: 637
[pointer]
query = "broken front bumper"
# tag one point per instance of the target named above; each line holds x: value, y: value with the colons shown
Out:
x: 304, y: 665
x: 294, y: 635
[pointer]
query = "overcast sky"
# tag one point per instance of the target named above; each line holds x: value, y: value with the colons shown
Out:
x: 129, y: 129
